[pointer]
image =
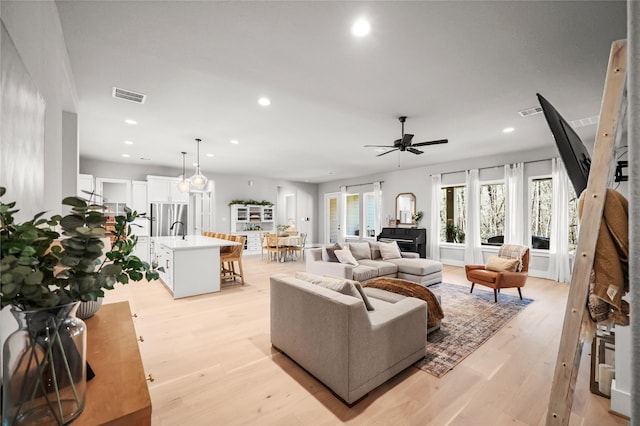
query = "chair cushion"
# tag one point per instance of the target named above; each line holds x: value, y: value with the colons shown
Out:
x: 328, y: 253
x: 360, y: 250
x: 345, y: 256
x: 389, y: 250
x: 384, y: 268
x: 499, y: 264
x: 363, y: 273
x: 482, y: 275
x: 417, y: 266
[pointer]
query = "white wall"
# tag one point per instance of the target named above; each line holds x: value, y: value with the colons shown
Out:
x: 35, y: 30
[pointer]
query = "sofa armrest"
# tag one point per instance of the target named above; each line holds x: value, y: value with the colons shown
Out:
x: 335, y: 269
x: 410, y: 255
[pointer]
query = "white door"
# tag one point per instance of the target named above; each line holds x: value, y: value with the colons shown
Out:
x: 331, y: 217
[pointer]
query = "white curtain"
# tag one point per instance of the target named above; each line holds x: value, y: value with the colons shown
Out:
x: 436, y: 191
x: 377, y: 200
x: 559, y: 267
x: 473, y: 247
x: 514, y: 218
x: 342, y: 224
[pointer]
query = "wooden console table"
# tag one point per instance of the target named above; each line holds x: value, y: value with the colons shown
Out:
x: 118, y: 394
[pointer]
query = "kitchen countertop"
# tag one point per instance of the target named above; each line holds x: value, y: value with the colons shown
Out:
x: 192, y: 242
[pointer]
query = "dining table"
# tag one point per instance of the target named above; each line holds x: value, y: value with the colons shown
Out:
x: 285, y: 241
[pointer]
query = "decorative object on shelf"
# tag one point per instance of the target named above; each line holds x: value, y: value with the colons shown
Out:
x: 417, y: 218
x: 198, y: 180
x: 43, y: 277
x: 183, y: 185
x: 251, y: 202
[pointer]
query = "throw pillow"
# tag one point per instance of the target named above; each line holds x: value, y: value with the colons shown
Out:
x: 328, y: 253
x: 360, y: 290
x: 498, y: 264
x: 345, y: 256
x: 340, y: 285
x: 360, y: 250
x: 390, y: 250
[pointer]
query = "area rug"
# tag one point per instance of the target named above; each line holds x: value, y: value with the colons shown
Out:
x: 469, y: 320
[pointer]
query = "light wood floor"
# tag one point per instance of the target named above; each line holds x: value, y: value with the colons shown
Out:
x: 214, y: 365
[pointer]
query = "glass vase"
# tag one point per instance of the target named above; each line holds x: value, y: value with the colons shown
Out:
x: 44, y: 367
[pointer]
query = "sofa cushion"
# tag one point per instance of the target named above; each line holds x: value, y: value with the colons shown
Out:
x: 360, y: 250
x: 328, y: 253
x: 498, y: 264
x: 417, y: 266
x: 389, y: 250
x: 345, y: 256
x: 363, y: 272
x: 375, y: 250
x: 384, y: 268
x: 363, y: 295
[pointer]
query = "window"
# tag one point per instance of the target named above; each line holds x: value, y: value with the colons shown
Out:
x: 353, y: 215
x: 541, y: 192
x: 573, y: 219
x: 492, y: 210
x: 452, y: 214
x: 369, y: 215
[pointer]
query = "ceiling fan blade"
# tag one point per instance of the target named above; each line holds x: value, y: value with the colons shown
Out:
x: 379, y: 146
x: 431, y: 142
x: 415, y: 151
x: 384, y: 153
x: 406, y: 139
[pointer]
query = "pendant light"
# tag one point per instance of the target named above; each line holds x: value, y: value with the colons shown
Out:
x: 183, y: 185
x: 198, y: 180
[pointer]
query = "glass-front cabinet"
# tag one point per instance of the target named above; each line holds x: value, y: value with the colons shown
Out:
x: 252, y: 221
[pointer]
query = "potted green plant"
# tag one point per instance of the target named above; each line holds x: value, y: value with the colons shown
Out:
x: 43, y: 276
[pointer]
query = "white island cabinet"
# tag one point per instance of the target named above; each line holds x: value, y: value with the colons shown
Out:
x: 191, y: 265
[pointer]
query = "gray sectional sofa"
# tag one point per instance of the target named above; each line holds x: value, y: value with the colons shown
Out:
x: 335, y: 338
x: 409, y: 267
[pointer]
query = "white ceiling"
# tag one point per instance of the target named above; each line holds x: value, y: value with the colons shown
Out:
x: 458, y: 70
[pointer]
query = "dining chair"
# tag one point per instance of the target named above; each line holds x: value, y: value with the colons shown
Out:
x: 229, y: 260
x: 272, y: 245
x: 299, y: 247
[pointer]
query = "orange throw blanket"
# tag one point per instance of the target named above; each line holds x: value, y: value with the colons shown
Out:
x: 409, y: 289
x: 610, y: 275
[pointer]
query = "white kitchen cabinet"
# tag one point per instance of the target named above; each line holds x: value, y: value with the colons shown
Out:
x: 139, y: 196
x: 116, y: 194
x: 142, y: 249
x: 85, y: 183
x: 164, y: 189
x: 252, y: 218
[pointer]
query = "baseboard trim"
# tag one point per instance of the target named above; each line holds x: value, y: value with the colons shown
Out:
x: 620, y: 401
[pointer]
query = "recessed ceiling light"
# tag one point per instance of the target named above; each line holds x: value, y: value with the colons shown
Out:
x: 234, y: 141
x: 129, y: 121
x: 195, y: 164
x: 264, y: 101
x: 508, y: 130
x: 330, y: 173
x: 361, y: 28
x: 209, y: 155
x: 126, y: 155
x: 128, y: 142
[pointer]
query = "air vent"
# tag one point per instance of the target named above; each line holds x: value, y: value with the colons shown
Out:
x: 128, y: 95
x: 530, y: 111
x: 583, y: 122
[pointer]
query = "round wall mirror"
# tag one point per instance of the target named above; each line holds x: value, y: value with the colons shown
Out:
x: 405, y: 208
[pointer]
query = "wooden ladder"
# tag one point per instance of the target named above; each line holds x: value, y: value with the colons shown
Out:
x: 612, y: 111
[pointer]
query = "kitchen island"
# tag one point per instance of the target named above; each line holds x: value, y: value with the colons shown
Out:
x: 191, y: 265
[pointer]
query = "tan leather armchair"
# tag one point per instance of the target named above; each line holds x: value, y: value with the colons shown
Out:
x: 477, y: 274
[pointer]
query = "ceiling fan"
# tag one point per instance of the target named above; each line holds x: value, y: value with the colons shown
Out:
x: 404, y: 143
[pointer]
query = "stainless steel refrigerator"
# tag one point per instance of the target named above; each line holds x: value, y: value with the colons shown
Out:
x: 163, y: 215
